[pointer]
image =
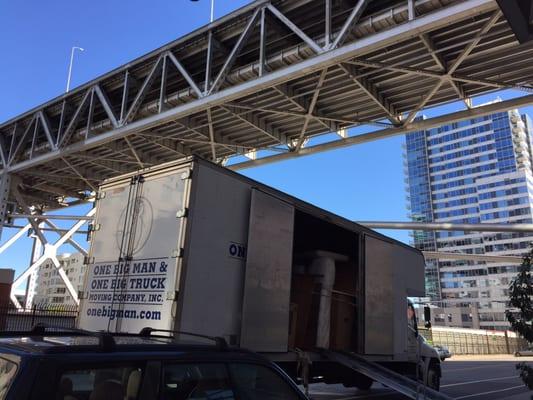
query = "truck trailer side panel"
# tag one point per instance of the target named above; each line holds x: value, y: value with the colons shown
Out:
x: 210, y: 299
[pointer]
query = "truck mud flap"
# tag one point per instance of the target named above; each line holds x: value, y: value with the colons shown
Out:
x: 385, y: 376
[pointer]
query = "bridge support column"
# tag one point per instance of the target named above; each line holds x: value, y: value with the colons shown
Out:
x: 5, y: 183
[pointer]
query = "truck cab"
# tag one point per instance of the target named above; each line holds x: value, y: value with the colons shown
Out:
x: 422, y: 353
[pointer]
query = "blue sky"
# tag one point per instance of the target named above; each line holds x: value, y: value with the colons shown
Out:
x: 363, y: 182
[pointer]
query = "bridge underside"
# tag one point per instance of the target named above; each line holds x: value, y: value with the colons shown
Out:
x: 261, y: 82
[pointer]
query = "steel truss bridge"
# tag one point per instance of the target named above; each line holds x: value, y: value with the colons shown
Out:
x: 254, y: 86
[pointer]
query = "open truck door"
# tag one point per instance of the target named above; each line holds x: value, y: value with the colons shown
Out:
x: 267, y: 282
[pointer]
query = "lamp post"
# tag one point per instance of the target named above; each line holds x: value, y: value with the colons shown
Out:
x: 212, y: 17
x: 70, y: 65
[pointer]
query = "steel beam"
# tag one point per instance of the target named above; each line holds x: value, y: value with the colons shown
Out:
x: 439, y: 226
x: 443, y: 66
x: 472, y: 257
x: 311, y: 109
x: 208, y: 62
x: 421, y: 24
x: 104, y: 100
x: 310, y: 42
x: 185, y: 74
x: 211, y: 135
x: 219, y: 140
x: 45, y: 123
x: 53, y: 216
x: 69, y: 130
x: 438, y: 75
x: 372, y: 92
x: 22, y: 231
x: 144, y: 88
x: 36, y: 252
x: 234, y: 52
x: 50, y: 253
x: 394, y: 131
x: 5, y: 188
x: 75, y: 170
x: 350, y: 22
x: 135, y: 154
x: 262, y: 43
x: 16, y: 149
x: 261, y: 125
x: 30, y: 216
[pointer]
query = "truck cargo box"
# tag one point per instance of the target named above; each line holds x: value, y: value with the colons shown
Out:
x: 192, y: 246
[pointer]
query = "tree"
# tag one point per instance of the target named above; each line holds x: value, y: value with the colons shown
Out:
x: 520, y: 296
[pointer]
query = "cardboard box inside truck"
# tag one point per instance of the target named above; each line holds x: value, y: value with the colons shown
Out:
x: 195, y: 247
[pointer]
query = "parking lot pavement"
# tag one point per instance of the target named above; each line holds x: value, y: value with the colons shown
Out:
x: 469, y: 378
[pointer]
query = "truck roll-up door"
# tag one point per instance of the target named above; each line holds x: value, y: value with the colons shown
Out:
x: 267, y: 283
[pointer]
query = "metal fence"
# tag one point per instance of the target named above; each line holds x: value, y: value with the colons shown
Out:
x: 11, y: 319
x: 475, y: 341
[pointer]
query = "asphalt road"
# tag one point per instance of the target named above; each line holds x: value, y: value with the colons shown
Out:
x: 476, y: 378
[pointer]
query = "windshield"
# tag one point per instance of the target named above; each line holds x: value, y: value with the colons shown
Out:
x: 411, y: 317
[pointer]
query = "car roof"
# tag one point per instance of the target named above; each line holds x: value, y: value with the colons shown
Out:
x: 57, y: 343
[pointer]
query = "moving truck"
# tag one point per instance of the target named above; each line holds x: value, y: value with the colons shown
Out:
x: 191, y: 246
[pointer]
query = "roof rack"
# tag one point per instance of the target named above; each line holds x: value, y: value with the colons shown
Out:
x: 105, y: 339
x: 219, y: 341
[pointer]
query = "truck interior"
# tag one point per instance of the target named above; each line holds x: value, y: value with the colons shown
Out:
x: 324, y: 286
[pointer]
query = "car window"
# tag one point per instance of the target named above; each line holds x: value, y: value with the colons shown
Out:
x: 99, y: 383
x: 196, y: 381
x: 8, y: 370
x: 218, y: 381
x: 258, y: 382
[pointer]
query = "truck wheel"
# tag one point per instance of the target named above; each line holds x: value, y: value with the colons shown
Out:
x: 433, y: 377
x: 363, y: 383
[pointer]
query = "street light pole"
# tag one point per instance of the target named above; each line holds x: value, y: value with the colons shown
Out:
x: 212, y: 15
x: 70, y: 65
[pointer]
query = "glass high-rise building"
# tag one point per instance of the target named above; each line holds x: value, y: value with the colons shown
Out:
x: 473, y: 171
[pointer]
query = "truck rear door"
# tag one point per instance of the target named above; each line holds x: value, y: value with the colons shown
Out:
x: 133, y: 265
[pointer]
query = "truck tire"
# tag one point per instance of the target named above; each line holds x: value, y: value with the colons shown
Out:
x: 363, y: 383
x: 434, y: 377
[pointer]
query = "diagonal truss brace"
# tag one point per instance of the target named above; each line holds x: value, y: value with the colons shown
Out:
x: 310, y: 42
x: 308, y: 116
x: 50, y: 253
x: 288, y: 93
x: 185, y: 74
x: 234, y: 52
x: 442, y: 65
x: 14, y: 152
x: 259, y: 124
x: 373, y: 92
x: 454, y: 65
x: 350, y: 22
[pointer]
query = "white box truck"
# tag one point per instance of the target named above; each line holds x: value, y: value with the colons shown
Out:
x: 191, y: 246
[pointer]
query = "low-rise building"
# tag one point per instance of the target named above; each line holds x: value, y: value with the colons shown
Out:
x: 50, y: 288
